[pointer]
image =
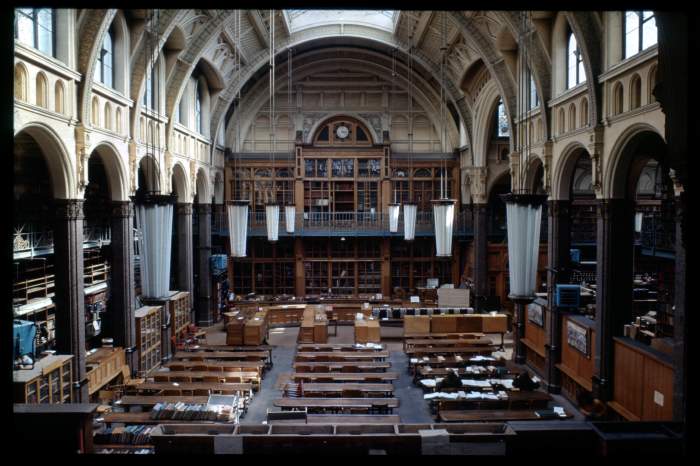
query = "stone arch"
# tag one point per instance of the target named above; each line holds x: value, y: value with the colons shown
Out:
x: 115, y: 168
x: 619, y: 163
x: 57, y: 159
x: 203, y: 188
x: 484, y: 108
x: 148, y: 165
x: 180, y: 183
x: 533, y: 164
x: 41, y: 90
x: 564, y: 170
x: 219, y: 188
x: 333, y: 115
x: 21, y: 82
x: 635, y: 96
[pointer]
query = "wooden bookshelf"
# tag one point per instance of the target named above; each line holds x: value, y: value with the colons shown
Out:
x: 179, y: 307
x: 50, y: 381
x: 148, y: 338
x: 103, y: 366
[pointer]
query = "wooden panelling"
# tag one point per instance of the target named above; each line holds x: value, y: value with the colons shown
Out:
x: 643, y: 383
x: 575, y: 364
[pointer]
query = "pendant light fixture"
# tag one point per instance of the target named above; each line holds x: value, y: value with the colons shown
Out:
x: 410, y: 208
x: 154, y: 211
x: 237, y: 210
x: 272, y: 208
x: 523, y: 209
x: 290, y: 210
x: 395, y: 207
x: 443, y: 208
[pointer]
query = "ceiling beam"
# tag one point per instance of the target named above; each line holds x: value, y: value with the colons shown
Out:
x: 237, y: 46
x: 259, y: 26
x: 422, y: 27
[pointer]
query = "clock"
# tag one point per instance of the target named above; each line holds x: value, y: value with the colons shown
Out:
x: 342, y: 132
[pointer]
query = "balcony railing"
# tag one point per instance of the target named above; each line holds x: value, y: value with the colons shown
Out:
x: 343, y: 224
x: 32, y: 241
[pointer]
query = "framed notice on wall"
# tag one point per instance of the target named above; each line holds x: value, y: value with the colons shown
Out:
x: 535, y: 314
x: 577, y: 337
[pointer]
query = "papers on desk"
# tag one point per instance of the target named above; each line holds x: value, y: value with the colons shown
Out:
x: 482, y: 358
x: 428, y: 369
x: 507, y: 383
x: 460, y: 395
x: 414, y: 360
x: 441, y: 395
x: 559, y: 410
x: 441, y: 358
x: 458, y: 358
x: 426, y: 358
x: 476, y: 383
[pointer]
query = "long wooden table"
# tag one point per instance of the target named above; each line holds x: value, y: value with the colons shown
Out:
x: 532, y: 400
x: 336, y: 404
x: 206, y: 348
x: 489, y: 415
x: 230, y: 355
x: 246, y: 377
x: 145, y: 418
x: 189, y: 386
x: 483, y: 350
x: 439, y: 336
x: 334, y: 388
x: 445, y: 342
x: 344, y: 419
x: 422, y: 372
x: 321, y: 347
x: 451, y: 361
x: 233, y: 366
x: 345, y: 376
x: 345, y: 355
x: 361, y: 366
x: 149, y: 401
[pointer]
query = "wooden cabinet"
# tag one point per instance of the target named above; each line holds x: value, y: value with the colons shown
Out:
x: 148, y: 338
x: 416, y: 325
x: 255, y: 330
x: 575, y: 364
x: 314, y: 325
x: 179, y: 307
x: 367, y: 331
x: 50, y: 381
x: 103, y: 366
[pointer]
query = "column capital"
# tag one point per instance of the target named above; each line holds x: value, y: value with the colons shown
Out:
x: 183, y: 208
x: 476, y: 178
x: 203, y: 209
x: 69, y: 209
x: 122, y: 209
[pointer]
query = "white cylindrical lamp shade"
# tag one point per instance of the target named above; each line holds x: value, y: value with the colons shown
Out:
x: 443, y: 218
x: 524, y: 220
x: 410, y: 210
x: 237, y: 227
x: 156, y: 223
x: 290, y: 212
x: 638, y: 217
x: 394, y: 217
x: 272, y: 221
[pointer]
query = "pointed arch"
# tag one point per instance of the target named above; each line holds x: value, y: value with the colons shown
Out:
x: 42, y: 90
x: 21, y: 82
x: 180, y: 183
x: 115, y: 168
x: 203, y: 188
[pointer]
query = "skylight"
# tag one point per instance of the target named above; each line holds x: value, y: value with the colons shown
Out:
x: 304, y: 19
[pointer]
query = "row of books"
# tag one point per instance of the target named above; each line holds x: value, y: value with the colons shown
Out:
x: 129, y: 435
x: 124, y: 451
x: 192, y: 412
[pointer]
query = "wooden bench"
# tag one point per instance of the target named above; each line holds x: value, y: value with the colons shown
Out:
x: 345, y: 376
x: 150, y: 401
x: 345, y: 367
x: 482, y: 350
x: 516, y: 401
x: 306, y: 347
x: 343, y: 355
x: 228, y: 355
x: 344, y: 419
x: 145, y: 418
x: 437, y: 336
x: 339, y: 405
x: 490, y: 415
x: 362, y: 389
x: 190, y: 387
x: 412, y: 343
x: 233, y: 366
x: 245, y: 377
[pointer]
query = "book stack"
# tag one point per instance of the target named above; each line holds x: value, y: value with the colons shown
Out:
x: 129, y: 435
x: 193, y: 412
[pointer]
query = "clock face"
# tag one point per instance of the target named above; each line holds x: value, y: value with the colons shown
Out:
x: 342, y: 132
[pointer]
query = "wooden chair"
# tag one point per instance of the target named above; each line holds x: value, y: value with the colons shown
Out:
x: 352, y: 394
x: 198, y: 368
x: 201, y: 392
x: 232, y: 379
x: 177, y: 367
x: 181, y: 378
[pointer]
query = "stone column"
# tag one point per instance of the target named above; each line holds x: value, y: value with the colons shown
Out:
x: 481, y: 244
x: 614, y: 245
x: 386, y: 267
x: 70, y: 294
x: 299, y: 280
x: 185, y: 266
x: 122, y: 289
x: 203, y: 310
x: 680, y: 327
x: 519, y: 331
x: 558, y: 245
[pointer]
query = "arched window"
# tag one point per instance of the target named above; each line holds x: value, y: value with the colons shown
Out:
x: 635, y: 92
x: 572, y: 117
x: 534, y: 98
x: 108, y: 117
x: 104, y: 68
x: 42, y: 91
x: 118, y: 121
x: 574, y: 61
x: 59, y: 99
x: 95, y: 112
x: 640, y: 31
x: 35, y: 28
x: 652, y: 85
x: 198, y: 108
x: 562, y: 121
x: 149, y: 95
x: 617, y: 99
x: 20, y: 83
x: 142, y: 129
x: 501, y: 126
x: 584, y: 112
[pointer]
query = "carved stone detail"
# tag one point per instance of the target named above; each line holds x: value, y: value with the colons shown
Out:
x: 476, y: 179
x: 69, y: 209
x: 184, y: 208
x: 122, y: 209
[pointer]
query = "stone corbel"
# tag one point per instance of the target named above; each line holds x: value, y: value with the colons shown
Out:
x: 82, y: 141
x: 476, y: 178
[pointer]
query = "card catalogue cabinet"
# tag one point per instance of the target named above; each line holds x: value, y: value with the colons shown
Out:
x: 50, y: 381
x: 148, y: 338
